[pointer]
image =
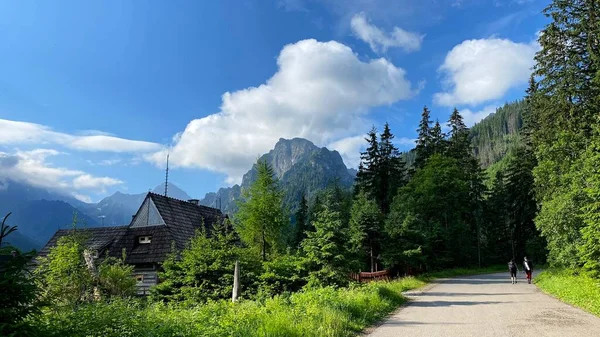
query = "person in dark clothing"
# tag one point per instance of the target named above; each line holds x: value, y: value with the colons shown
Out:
x: 528, y: 267
x: 512, y: 268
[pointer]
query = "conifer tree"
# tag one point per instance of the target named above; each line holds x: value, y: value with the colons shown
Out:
x: 367, y: 176
x: 423, y: 148
x: 301, y: 220
x: 458, y: 145
x: 438, y: 139
x: 328, y: 249
x: 366, y: 228
x: 261, y: 222
x: 565, y: 107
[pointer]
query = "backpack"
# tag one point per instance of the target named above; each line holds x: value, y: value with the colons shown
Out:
x: 512, y: 266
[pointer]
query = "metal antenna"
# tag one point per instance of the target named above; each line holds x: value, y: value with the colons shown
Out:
x: 167, y: 176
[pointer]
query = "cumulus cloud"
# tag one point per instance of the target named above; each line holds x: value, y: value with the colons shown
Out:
x: 477, y: 71
x: 349, y: 148
x: 31, y: 167
x: 16, y: 132
x: 379, y: 40
x: 472, y: 117
x: 89, y: 181
x: 321, y: 91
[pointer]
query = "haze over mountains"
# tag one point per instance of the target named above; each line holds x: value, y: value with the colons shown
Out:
x: 300, y: 166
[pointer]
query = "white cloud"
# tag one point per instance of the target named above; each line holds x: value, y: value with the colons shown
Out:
x: 477, y: 71
x: 16, y: 132
x: 31, y: 167
x: 472, y: 117
x: 86, y: 181
x: 379, y: 40
x: 321, y: 91
x: 349, y: 148
x: 405, y: 142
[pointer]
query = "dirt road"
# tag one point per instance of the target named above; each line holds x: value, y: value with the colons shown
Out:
x: 487, y: 305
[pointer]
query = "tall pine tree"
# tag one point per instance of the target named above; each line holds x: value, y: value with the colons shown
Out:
x: 423, y: 148
x: 261, y: 221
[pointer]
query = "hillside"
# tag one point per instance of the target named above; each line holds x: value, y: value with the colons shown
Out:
x: 300, y: 166
x: 494, y: 136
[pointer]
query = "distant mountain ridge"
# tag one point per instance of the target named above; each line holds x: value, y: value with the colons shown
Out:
x: 38, y: 213
x: 497, y: 134
x: 300, y: 166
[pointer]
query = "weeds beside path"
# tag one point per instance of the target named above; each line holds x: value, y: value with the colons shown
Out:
x: 579, y: 290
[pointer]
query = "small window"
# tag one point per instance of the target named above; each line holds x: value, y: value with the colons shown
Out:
x: 145, y: 239
x: 139, y: 278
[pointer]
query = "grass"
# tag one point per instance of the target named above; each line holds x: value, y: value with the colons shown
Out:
x: 316, y: 312
x: 579, y: 290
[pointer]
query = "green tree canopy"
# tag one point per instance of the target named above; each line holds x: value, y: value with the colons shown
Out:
x: 261, y: 221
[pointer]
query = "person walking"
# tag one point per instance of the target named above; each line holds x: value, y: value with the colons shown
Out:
x: 512, y: 268
x: 528, y: 269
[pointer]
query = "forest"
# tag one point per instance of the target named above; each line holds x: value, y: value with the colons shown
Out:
x: 443, y: 211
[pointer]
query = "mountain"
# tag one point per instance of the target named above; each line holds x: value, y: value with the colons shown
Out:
x: 494, y: 136
x: 38, y: 212
x: 117, y: 209
x: 300, y: 166
x: 173, y: 191
x: 24, y: 243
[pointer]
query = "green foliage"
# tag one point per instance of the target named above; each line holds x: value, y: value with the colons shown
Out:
x: 382, y: 170
x: 63, y: 275
x: 579, y: 290
x: 589, y: 252
x: 318, y: 312
x: 20, y: 303
x: 495, y: 136
x: 564, y: 108
x: 328, y: 249
x: 366, y: 229
x: 261, y: 221
x: 433, y: 213
x: 204, y: 270
x: 285, y: 273
x: 301, y: 218
x: 115, y: 278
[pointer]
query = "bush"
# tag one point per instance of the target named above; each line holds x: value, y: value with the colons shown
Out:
x: 286, y: 273
x: 317, y: 312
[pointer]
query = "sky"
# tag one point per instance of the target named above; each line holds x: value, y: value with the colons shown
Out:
x: 93, y: 95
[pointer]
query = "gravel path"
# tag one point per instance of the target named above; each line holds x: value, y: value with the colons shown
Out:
x: 486, y: 305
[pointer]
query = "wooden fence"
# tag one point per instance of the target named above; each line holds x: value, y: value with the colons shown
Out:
x: 364, y: 277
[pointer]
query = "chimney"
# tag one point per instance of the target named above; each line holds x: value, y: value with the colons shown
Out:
x: 194, y: 201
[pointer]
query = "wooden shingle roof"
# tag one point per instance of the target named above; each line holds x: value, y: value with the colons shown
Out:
x: 181, y: 220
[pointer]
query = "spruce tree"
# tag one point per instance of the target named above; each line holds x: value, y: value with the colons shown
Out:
x: 261, y: 221
x: 564, y: 110
x: 458, y: 145
x: 367, y: 177
x: 438, y: 139
x: 391, y: 171
x: 423, y: 148
x: 301, y: 220
x: 366, y: 228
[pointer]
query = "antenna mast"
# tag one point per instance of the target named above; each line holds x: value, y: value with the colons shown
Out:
x: 167, y: 177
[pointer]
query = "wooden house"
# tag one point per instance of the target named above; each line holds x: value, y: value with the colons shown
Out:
x: 159, y: 224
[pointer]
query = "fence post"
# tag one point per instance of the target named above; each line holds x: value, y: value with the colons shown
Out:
x: 236, y: 281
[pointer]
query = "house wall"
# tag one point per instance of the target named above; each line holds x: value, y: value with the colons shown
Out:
x: 149, y: 276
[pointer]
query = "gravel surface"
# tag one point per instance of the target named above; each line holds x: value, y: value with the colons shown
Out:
x: 486, y: 305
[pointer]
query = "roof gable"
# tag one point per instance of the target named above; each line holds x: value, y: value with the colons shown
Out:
x: 147, y: 215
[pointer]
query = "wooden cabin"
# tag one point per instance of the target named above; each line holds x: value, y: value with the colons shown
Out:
x: 160, y: 223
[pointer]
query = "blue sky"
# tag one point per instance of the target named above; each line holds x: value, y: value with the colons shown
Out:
x: 94, y: 94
